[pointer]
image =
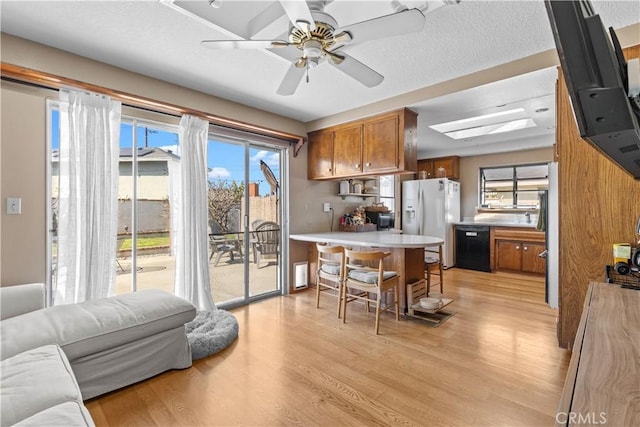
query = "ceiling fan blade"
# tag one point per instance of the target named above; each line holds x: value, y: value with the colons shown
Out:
x: 396, y: 24
x: 343, y: 37
x: 298, y: 10
x: 357, y: 70
x: 334, y: 57
x: 243, y: 44
x: 289, y: 52
x: 291, y: 80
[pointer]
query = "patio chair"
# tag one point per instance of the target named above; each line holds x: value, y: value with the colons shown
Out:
x: 224, y: 244
x: 266, y: 241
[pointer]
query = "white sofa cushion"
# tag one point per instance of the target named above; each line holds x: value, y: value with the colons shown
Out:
x: 68, y: 414
x: 97, y: 325
x: 20, y: 299
x: 34, y: 381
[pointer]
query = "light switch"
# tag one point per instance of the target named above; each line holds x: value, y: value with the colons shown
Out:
x: 14, y: 205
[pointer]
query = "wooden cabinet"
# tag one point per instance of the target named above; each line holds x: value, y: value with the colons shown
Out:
x: 520, y: 256
x: 426, y: 165
x: 531, y: 261
x: 347, y: 150
x: 508, y: 255
x: 604, y: 371
x: 451, y: 166
x: 380, y: 152
x: 518, y: 249
x: 379, y: 145
x: 321, y: 149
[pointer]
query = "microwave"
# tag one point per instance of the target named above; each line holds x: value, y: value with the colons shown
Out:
x: 383, y: 220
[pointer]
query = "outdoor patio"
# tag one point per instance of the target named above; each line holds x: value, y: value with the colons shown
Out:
x: 157, y: 272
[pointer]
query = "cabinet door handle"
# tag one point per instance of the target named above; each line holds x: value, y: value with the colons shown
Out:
x: 525, y: 248
x: 368, y: 164
x: 518, y: 247
x: 357, y: 166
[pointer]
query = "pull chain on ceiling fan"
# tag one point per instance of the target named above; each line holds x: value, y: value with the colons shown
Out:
x: 314, y: 38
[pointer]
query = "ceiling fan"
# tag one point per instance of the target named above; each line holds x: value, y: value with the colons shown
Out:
x: 314, y: 37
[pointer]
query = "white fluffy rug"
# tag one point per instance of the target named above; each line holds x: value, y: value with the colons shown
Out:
x: 211, y: 332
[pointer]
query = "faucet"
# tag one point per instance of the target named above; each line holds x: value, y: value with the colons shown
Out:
x: 527, y: 217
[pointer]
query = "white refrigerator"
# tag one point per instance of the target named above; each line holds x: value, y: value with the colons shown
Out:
x: 431, y: 207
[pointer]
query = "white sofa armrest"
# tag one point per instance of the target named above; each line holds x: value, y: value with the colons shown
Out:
x: 20, y: 299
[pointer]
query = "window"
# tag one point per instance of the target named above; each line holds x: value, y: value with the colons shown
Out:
x: 513, y: 187
x: 387, y: 191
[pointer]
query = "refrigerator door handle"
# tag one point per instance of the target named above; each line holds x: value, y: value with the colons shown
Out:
x: 419, y: 212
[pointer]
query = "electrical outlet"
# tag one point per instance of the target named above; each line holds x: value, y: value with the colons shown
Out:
x: 14, y: 205
x: 326, y: 207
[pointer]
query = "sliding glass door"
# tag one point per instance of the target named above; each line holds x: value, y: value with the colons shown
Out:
x: 244, y: 215
x: 244, y: 220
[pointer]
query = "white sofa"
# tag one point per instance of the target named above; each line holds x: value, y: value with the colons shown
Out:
x: 104, y: 344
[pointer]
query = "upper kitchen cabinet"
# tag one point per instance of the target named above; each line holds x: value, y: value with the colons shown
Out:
x: 380, y: 145
x: 321, y: 149
x: 347, y: 150
x: 441, y: 167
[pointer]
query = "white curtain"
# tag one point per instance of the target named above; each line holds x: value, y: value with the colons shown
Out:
x: 88, y: 196
x: 192, y: 260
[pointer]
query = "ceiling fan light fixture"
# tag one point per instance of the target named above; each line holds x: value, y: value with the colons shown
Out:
x: 312, y: 49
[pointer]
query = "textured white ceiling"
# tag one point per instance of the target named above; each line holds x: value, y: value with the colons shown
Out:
x: 153, y: 38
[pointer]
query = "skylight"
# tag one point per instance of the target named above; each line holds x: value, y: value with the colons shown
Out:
x: 486, y: 124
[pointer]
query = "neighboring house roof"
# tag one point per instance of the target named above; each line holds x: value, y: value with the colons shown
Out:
x: 143, y: 154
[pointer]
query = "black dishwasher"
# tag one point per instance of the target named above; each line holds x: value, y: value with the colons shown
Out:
x: 473, y: 247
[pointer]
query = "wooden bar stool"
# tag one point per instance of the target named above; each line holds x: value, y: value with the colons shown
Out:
x: 362, y: 281
x: 433, y: 267
x: 330, y: 268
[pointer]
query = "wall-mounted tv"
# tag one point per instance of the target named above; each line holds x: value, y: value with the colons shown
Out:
x: 596, y: 74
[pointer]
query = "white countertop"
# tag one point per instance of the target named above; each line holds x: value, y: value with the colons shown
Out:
x: 385, y: 239
x: 499, y: 224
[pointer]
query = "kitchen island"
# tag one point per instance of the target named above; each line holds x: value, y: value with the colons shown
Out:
x: 407, y: 251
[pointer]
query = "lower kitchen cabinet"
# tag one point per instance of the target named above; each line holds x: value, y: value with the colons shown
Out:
x: 531, y: 261
x: 520, y: 256
x: 518, y: 249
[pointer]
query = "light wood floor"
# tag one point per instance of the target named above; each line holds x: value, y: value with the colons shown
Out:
x: 495, y: 363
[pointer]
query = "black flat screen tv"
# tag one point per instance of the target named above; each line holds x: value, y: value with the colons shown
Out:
x: 596, y: 75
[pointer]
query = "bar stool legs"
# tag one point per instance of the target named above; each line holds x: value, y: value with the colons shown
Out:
x: 432, y: 262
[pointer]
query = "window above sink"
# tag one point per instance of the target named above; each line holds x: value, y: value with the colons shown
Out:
x: 512, y: 188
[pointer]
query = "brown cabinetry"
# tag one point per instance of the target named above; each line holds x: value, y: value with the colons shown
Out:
x: 531, y: 261
x: 441, y: 167
x: 518, y: 249
x: 380, y: 152
x: 426, y: 166
x: 519, y: 256
x: 379, y: 145
x: 347, y: 150
x: 321, y: 149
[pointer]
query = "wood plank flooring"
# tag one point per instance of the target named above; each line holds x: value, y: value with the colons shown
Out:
x: 495, y: 363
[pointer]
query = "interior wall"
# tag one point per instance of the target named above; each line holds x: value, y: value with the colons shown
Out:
x: 599, y: 206
x: 470, y: 172
x: 23, y: 175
